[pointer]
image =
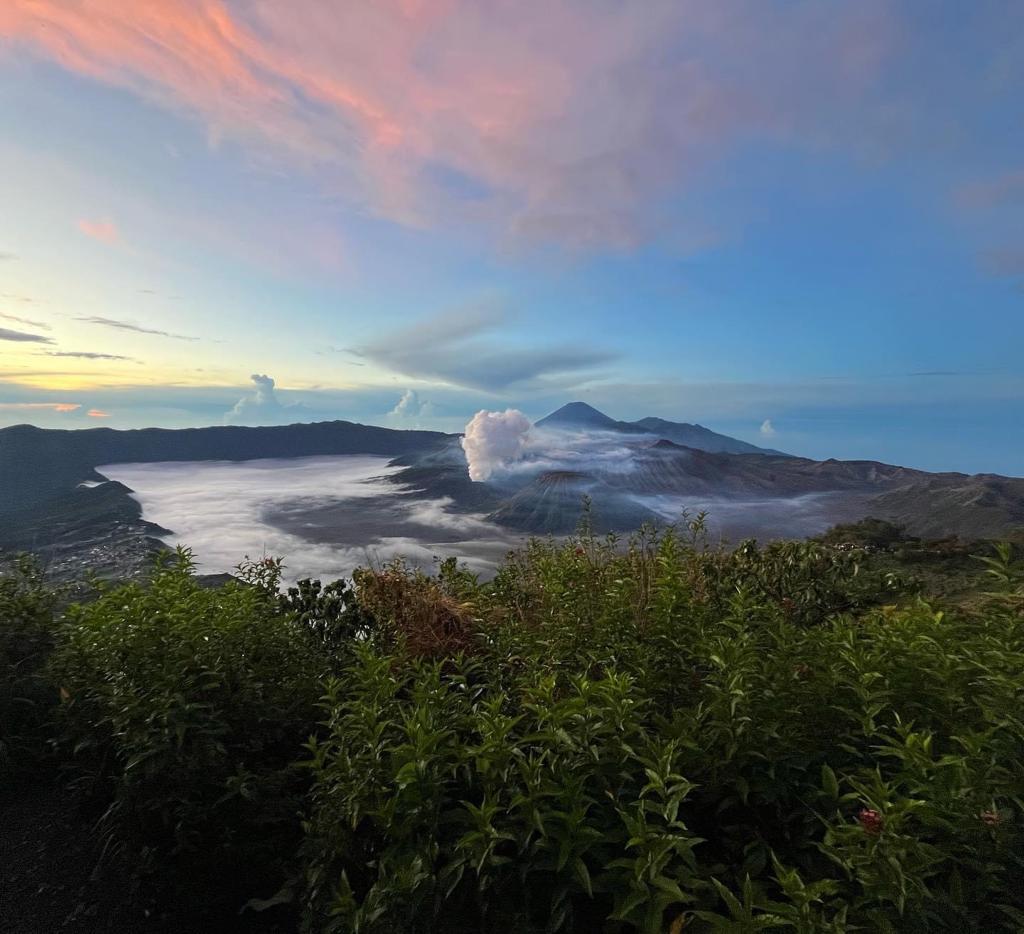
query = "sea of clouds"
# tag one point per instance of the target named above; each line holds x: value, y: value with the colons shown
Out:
x: 225, y: 510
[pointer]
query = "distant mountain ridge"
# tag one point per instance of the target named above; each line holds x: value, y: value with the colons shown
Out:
x: 580, y: 415
x: 53, y: 499
x: 45, y: 508
x: 38, y: 462
x: 748, y: 490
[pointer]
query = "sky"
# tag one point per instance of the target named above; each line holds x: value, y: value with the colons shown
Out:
x: 799, y: 223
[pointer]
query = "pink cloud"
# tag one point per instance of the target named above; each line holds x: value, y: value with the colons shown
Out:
x: 52, y: 406
x: 563, y: 123
x: 1006, y: 261
x: 104, y: 231
x: 1006, y: 188
x: 97, y: 413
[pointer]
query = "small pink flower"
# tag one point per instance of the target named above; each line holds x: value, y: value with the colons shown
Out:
x: 870, y: 820
x: 991, y: 818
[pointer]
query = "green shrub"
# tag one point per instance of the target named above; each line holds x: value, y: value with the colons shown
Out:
x: 186, y: 707
x: 442, y: 805
x: 26, y: 634
x: 650, y: 738
x: 642, y: 735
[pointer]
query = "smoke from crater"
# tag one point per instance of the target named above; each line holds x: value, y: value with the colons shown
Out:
x: 493, y: 440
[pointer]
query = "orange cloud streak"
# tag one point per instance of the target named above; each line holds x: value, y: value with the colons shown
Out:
x: 97, y: 413
x: 53, y: 406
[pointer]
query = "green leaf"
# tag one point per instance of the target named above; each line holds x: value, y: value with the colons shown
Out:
x: 829, y: 782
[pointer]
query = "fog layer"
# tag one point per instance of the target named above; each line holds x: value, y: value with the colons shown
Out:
x: 324, y: 515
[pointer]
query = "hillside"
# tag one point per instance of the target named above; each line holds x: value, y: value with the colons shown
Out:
x: 580, y: 416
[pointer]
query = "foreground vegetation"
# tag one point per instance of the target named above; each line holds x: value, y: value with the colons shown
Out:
x: 649, y: 735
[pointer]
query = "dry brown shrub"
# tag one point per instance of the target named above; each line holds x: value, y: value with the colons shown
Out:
x: 420, y: 615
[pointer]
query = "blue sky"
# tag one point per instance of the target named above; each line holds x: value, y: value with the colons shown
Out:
x: 799, y: 223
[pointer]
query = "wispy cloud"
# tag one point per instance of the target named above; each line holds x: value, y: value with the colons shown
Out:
x: 89, y: 355
x: 28, y: 321
x: 104, y: 231
x: 996, y: 191
x: 29, y: 406
x: 456, y: 348
x: 6, y: 334
x: 1004, y: 262
x: 7, y: 257
x: 564, y: 127
x: 97, y: 413
x: 129, y: 326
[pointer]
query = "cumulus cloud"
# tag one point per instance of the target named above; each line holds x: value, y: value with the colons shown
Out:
x: 129, y: 326
x: 262, y: 403
x: 6, y: 334
x: 262, y: 407
x: 411, y: 406
x: 493, y: 440
x: 767, y: 429
x: 457, y: 348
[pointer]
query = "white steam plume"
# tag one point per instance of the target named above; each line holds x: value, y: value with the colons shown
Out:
x: 494, y: 439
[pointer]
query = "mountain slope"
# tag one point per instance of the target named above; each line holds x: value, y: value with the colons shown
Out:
x: 699, y: 437
x: 747, y: 494
x: 578, y: 416
x: 581, y: 415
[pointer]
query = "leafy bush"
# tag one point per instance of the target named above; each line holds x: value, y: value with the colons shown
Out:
x: 186, y: 706
x: 650, y: 738
x: 329, y: 613
x: 642, y: 735
x: 870, y: 533
x: 26, y: 633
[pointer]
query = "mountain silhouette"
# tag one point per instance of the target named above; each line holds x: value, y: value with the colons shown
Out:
x: 580, y: 415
